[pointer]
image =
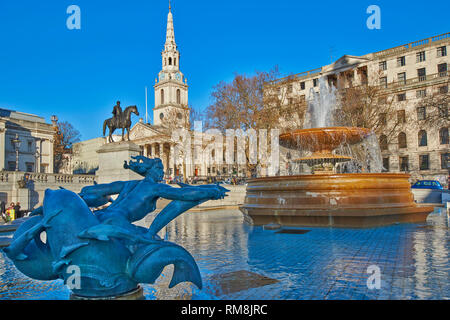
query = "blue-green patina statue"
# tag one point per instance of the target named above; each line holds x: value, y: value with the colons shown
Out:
x: 112, y: 254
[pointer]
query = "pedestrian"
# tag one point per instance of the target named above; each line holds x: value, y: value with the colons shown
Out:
x: 3, y: 210
x: 10, y: 213
x: 17, y: 211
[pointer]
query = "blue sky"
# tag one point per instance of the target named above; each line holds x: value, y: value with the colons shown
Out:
x: 78, y: 75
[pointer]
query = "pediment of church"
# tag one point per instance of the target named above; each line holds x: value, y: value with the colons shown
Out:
x: 142, y: 131
x: 345, y: 62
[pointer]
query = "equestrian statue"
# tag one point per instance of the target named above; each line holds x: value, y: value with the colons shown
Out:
x: 120, y: 120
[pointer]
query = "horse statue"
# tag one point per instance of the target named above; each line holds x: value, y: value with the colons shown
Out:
x: 120, y: 121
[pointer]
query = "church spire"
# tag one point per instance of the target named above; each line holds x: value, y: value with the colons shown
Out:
x: 170, y: 34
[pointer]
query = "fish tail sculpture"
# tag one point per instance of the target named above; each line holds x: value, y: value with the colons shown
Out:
x: 146, y: 265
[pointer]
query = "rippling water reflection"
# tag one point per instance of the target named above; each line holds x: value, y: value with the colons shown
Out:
x: 321, y: 264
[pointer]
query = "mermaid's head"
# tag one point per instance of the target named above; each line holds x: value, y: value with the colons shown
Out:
x: 146, y: 167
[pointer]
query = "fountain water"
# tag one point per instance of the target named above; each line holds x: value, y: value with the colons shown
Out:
x: 364, y: 197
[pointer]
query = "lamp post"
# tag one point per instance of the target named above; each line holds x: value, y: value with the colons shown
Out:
x: 17, y: 143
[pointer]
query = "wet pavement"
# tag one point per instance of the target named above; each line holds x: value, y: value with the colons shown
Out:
x: 238, y: 261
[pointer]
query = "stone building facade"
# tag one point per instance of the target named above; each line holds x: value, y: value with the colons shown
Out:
x: 408, y: 73
x: 36, y: 142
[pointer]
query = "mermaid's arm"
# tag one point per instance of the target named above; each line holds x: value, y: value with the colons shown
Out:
x: 191, y: 193
x: 103, y: 190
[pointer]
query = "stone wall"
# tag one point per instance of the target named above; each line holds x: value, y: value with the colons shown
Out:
x: 33, y: 195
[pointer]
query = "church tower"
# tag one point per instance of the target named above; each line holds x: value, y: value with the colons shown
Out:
x: 171, y: 89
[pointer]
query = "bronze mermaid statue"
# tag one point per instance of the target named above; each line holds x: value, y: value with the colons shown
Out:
x: 111, y: 253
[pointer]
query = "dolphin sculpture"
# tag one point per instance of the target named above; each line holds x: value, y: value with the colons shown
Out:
x: 111, y: 253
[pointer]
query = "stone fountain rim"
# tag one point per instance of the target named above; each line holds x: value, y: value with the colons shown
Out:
x: 332, y: 175
x: 321, y: 129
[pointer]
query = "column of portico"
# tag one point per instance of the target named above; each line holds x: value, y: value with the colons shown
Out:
x: 172, y: 161
x: 161, y: 156
x: 145, y: 153
x: 153, y: 146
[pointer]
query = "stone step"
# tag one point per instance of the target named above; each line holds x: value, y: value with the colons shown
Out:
x: 5, y: 241
x: 5, y: 228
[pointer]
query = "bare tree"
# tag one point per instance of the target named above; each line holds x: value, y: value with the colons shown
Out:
x: 436, y: 106
x: 369, y: 107
x: 260, y: 101
x: 64, y: 137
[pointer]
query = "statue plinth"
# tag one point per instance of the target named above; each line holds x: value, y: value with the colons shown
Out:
x: 111, y: 159
x: 137, y: 294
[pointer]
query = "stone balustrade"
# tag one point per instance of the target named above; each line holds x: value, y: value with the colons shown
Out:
x: 32, y: 194
x: 51, y: 178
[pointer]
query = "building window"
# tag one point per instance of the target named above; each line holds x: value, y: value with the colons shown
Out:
x: 421, y: 93
x: 170, y: 61
x: 386, y: 164
x: 315, y: 82
x: 383, y: 142
x: 422, y: 74
x: 401, y: 77
x: 423, y: 141
x: 161, y: 115
x: 382, y: 118
x: 30, y: 146
x: 421, y: 113
x: 445, y: 161
x: 44, y: 168
x: 420, y: 56
x: 401, y: 97
x: 443, y: 89
x: 442, y: 69
x: 383, y: 65
x: 302, y: 85
x: 162, y: 96
x: 30, y: 167
x: 424, y: 162
x: 11, y: 166
x: 401, y: 116
x: 383, y: 82
x: 404, y: 165
x: 442, y: 51
x: 402, y: 143
x: 401, y: 61
x: 178, y: 96
x: 444, y: 136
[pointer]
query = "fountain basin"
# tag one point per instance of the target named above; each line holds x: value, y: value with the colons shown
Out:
x: 337, y: 200
x: 322, y: 141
